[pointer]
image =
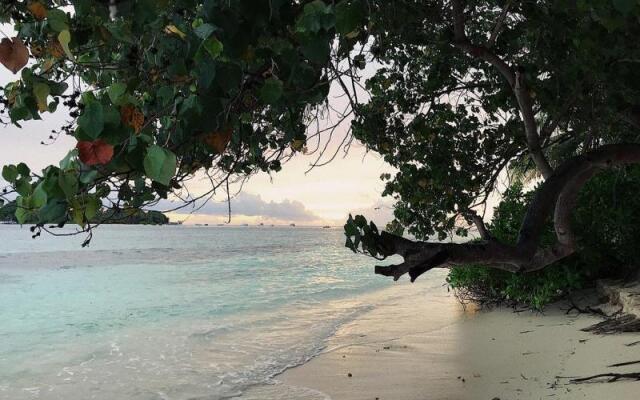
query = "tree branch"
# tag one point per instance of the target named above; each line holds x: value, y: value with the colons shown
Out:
x: 498, y: 27
x: 473, y: 217
x: 516, y: 81
x: 556, y: 195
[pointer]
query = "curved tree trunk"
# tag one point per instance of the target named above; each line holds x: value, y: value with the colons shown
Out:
x: 556, y: 197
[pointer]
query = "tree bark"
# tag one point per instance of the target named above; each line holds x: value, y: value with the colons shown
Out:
x: 555, y: 198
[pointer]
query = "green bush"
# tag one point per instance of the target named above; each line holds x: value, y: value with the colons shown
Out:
x: 607, y: 221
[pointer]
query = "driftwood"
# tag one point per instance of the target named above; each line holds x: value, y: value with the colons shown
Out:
x: 611, y: 377
x: 622, y: 364
x: 623, y: 323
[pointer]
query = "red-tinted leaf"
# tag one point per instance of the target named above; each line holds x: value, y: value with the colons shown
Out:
x: 96, y: 152
x: 85, y: 150
x: 13, y: 54
x: 218, y: 141
x: 38, y: 10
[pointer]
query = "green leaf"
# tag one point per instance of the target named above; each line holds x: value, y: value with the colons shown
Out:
x: 165, y: 94
x: 57, y: 20
x: 58, y: 88
x: 316, y: 16
x: 41, y: 92
x: 68, y: 160
x: 22, y: 212
x: 121, y: 30
x: 350, y: 229
x: 91, y: 207
x: 624, y: 6
x: 92, y: 119
x: 360, y: 221
x: 317, y: 48
x: 213, y: 46
x: 23, y: 187
x: 349, y: 16
x: 10, y: 173
x: 77, y: 216
x: 204, y: 31
x: 53, y: 212
x: 89, y: 176
x: 271, y: 91
x: 206, y: 71
x: 23, y: 169
x: 64, y: 38
x: 68, y: 182
x: 116, y: 91
x: 160, y: 164
x: 191, y: 106
x: 39, y: 196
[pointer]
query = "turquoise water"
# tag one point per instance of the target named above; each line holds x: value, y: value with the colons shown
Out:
x: 171, y: 312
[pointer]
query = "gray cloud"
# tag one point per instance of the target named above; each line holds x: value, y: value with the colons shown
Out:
x: 251, y: 205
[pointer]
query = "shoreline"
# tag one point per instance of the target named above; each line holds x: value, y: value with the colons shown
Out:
x: 419, y: 343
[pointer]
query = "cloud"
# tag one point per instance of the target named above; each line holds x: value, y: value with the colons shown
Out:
x: 250, y: 205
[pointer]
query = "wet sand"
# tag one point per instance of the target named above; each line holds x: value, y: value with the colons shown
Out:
x: 419, y: 343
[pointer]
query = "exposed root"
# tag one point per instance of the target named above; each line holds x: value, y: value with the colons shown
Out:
x: 584, y: 310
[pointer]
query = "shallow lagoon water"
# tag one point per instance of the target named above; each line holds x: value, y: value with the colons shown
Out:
x: 170, y: 312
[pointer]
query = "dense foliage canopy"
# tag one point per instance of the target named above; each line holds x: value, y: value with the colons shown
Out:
x: 449, y: 120
x: 159, y: 90
x: 472, y: 93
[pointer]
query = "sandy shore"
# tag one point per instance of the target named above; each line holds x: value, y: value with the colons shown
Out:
x: 418, y: 343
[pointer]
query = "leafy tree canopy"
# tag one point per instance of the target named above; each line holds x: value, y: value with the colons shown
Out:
x: 159, y: 90
x: 471, y: 91
x: 444, y: 113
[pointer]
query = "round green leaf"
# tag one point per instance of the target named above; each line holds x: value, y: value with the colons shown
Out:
x: 92, y: 119
x: 213, y: 46
x: 271, y: 91
x: 57, y: 20
x: 160, y: 164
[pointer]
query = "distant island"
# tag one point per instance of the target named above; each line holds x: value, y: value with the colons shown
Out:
x: 130, y: 216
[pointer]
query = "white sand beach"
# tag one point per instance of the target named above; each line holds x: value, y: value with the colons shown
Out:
x: 423, y: 345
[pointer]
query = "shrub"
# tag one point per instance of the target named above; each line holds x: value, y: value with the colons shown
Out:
x: 607, y: 222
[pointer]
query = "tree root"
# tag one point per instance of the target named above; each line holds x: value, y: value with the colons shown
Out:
x: 586, y: 309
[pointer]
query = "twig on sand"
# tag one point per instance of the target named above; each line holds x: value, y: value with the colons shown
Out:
x: 624, y: 323
x: 612, y: 377
x: 622, y: 364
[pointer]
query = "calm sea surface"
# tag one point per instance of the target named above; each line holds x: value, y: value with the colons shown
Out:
x: 171, y: 312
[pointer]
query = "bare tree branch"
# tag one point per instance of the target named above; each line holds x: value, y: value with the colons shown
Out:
x: 516, y: 81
